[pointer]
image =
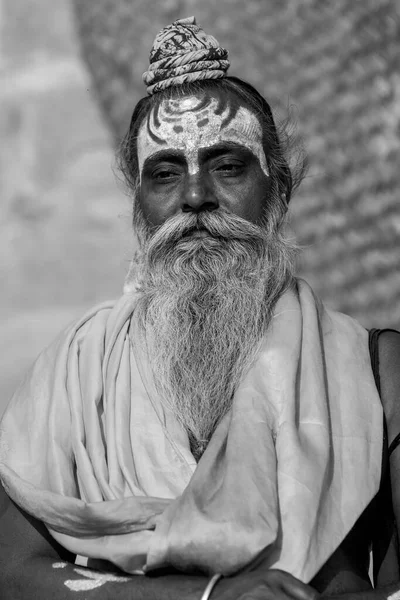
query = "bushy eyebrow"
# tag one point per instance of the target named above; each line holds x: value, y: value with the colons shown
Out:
x: 171, y: 155
x: 221, y: 148
x: 207, y: 153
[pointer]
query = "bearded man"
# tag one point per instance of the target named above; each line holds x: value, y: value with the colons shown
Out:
x: 217, y: 421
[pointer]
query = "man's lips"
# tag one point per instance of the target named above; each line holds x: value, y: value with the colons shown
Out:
x: 198, y: 233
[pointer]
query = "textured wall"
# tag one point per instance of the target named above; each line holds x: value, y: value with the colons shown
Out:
x: 336, y: 65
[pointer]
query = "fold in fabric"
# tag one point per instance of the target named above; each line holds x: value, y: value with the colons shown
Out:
x: 87, y: 448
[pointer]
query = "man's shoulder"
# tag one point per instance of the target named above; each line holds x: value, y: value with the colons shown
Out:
x: 100, y: 314
x: 389, y: 339
x: 96, y: 324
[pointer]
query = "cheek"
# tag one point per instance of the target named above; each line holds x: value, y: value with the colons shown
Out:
x: 155, y: 209
x: 252, y: 212
x: 149, y: 208
x: 253, y: 198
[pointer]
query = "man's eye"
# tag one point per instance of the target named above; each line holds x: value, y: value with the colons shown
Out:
x: 164, y: 174
x: 230, y: 168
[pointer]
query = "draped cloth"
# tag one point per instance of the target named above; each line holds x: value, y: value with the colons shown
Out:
x: 87, y: 447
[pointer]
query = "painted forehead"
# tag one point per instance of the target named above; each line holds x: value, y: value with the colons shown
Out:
x: 195, y: 122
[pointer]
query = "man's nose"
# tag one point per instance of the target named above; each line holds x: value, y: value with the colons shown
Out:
x: 198, y: 195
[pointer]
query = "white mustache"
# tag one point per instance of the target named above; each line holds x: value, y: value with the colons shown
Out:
x: 222, y: 225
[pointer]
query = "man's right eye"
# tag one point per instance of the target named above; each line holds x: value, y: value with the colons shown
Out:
x: 164, y: 174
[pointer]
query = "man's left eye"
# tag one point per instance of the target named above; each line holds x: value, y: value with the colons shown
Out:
x: 164, y: 174
x: 230, y: 168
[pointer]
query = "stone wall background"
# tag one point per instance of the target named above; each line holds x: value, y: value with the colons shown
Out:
x: 70, y: 72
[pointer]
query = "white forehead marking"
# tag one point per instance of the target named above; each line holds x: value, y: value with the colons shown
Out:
x: 189, y: 103
x: 192, y: 123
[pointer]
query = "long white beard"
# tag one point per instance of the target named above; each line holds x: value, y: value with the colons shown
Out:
x: 204, y: 307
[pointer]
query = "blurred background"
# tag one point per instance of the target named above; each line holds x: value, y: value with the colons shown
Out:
x: 70, y: 74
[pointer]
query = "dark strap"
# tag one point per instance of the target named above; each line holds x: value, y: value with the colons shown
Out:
x: 374, y: 354
x: 394, y: 444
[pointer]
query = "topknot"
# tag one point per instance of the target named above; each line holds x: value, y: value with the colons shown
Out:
x: 182, y: 52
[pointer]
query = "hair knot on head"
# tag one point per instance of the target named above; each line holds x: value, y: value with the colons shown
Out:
x: 183, y: 52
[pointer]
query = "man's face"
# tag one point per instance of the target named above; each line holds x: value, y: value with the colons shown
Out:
x: 201, y: 153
